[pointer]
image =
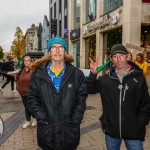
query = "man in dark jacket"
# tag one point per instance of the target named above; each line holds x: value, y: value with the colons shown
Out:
x: 8, y: 66
x: 125, y: 101
x: 57, y: 98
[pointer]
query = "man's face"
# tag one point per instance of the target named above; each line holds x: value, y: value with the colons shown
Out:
x: 57, y: 52
x: 119, y: 60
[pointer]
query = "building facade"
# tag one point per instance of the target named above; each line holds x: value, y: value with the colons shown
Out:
x: 96, y: 25
x: 58, y: 9
x: 31, y: 39
x: 45, y: 35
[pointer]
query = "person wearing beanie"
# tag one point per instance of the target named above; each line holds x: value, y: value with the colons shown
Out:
x: 57, y: 98
x: 125, y: 100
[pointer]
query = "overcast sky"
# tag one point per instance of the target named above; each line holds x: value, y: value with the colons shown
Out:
x: 19, y: 13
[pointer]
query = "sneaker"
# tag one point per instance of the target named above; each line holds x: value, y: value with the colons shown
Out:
x: 26, y: 125
x: 34, y: 123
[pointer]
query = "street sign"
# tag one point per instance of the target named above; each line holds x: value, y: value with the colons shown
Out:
x: 66, y: 31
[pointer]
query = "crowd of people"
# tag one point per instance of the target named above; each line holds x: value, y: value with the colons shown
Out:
x: 54, y: 94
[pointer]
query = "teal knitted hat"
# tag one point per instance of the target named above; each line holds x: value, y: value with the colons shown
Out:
x: 58, y: 40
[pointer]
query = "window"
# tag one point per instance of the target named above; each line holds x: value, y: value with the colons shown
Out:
x: 77, y: 4
x: 65, y: 4
x: 65, y: 22
x: 60, y: 28
x: 76, y: 53
x: 110, y: 5
x: 55, y: 10
x: 51, y: 10
x: 31, y: 44
x: 90, y: 10
x: 60, y: 6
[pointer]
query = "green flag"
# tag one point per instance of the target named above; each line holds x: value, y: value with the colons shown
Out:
x: 100, y: 68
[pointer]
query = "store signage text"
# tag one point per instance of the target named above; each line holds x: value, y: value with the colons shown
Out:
x: 113, y: 20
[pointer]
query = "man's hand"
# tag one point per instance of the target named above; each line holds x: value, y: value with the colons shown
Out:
x: 93, y: 65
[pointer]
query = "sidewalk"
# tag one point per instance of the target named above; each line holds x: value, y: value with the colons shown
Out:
x: 16, y: 138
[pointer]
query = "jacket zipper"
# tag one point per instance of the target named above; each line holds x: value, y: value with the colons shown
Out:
x: 120, y: 88
x: 126, y: 88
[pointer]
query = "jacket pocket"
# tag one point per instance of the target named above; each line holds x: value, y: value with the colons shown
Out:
x: 72, y: 134
x: 44, y: 135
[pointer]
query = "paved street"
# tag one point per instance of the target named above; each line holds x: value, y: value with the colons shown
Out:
x: 16, y: 138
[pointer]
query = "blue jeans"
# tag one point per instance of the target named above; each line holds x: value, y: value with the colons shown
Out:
x: 115, y: 143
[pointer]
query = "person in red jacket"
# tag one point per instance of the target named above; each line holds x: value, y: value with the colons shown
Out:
x: 22, y: 83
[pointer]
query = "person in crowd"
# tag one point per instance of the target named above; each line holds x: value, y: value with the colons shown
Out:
x: 22, y: 84
x: 125, y: 101
x: 8, y: 66
x: 2, y: 63
x: 141, y: 63
x: 57, y: 98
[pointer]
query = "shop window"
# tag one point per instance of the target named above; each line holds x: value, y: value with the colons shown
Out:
x: 145, y: 36
x: 90, y: 45
x: 77, y: 4
x: 76, y: 53
x: 90, y: 10
x: 113, y: 37
x: 110, y: 5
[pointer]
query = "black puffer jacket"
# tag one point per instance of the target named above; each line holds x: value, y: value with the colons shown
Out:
x: 58, y: 114
x: 126, y: 105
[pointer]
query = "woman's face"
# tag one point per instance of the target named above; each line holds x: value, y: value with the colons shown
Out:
x: 138, y: 58
x: 27, y: 61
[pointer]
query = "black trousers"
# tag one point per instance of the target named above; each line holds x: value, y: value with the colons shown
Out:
x: 27, y: 112
x: 9, y: 79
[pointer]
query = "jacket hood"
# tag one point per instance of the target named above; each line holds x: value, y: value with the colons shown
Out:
x: 40, y: 71
x: 39, y: 62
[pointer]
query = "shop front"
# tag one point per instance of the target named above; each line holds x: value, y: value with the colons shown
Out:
x: 90, y: 49
x: 145, y: 41
x: 76, y: 53
x: 74, y: 36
